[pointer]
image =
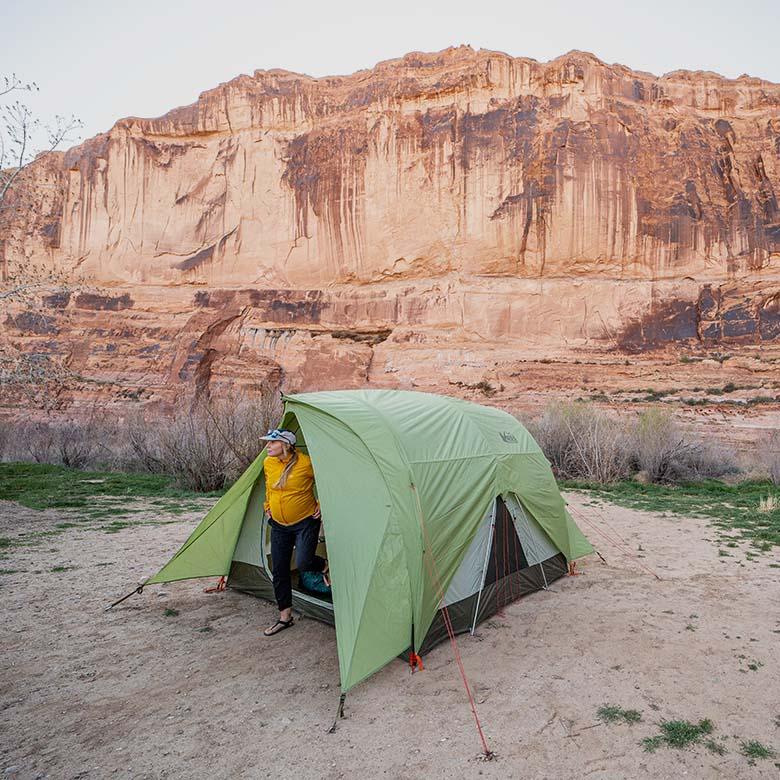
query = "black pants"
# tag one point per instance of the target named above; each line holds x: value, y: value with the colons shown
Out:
x: 302, y: 536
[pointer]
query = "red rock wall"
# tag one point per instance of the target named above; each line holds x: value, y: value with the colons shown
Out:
x: 440, y: 215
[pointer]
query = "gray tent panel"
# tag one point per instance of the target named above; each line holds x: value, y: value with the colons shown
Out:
x: 470, y: 574
x: 537, y: 546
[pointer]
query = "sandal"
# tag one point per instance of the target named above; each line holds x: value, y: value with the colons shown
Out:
x: 273, y: 630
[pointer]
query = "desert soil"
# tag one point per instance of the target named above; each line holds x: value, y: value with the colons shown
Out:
x: 133, y: 693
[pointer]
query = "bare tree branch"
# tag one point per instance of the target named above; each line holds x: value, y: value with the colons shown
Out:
x: 37, y: 377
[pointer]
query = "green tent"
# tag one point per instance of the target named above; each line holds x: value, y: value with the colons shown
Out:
x: 427, y: 501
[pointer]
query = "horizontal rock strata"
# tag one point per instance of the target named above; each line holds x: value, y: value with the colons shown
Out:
x: 431, y: 222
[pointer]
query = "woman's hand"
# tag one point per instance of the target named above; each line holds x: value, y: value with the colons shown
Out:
x: 317, y: 513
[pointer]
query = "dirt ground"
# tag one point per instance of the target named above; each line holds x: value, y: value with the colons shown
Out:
x: 133, y: 693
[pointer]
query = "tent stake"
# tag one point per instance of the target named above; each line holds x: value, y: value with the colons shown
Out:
x: 139, y: 589
x: 339, y: 714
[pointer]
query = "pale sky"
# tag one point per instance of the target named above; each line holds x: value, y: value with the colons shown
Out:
x: 103, y: 60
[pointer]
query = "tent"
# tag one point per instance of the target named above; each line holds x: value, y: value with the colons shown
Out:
x: 427, y: 501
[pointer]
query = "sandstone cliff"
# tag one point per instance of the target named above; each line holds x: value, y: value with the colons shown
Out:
x: 435, y: 221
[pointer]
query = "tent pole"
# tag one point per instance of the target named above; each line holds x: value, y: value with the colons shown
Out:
x: 139, y: 589
x: 485, y: 566
x: 544, y: 576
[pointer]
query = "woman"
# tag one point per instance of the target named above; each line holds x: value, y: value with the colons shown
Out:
x: 294, y: 518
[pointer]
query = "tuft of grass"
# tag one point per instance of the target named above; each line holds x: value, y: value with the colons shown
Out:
x: 118, y: 525
x: 715, y: 747
x: 678, y: 734
x: 651, y: 744
x: 681, y: 733
x: 171, y: 612
x: 56, y: 569
x: 610, y: 713
x: 754, y: 749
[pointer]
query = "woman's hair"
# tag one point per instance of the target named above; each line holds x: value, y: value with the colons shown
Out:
x: 287, y: 450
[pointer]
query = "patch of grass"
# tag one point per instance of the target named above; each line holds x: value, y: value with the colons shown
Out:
x: 10, y: 571
x: 678, y: 734
x: 66, y: 525
x: 681, y: 733
x: 62, y: 568
x: 754, y: 749
x: 657, y: 395
x: 171, y: 612
x: 6, y: 541
x: 101, y: 512
x: 117, y: 526
x: 651, y: 744
x: 43, y: 486
x: 696, y: 401
x: 715, y: 747
x: 733, y: 509
x: 610, y: 713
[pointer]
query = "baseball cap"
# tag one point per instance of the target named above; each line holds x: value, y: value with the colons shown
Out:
x: 278, y: 434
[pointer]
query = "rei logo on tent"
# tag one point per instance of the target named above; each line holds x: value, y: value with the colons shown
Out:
x: 508, y: 437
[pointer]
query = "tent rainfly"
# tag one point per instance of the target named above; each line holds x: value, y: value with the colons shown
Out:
x: 427, y: 502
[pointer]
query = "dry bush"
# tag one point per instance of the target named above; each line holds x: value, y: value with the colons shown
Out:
x: 771, y: 456
x: 6, y: 438
x: 194, y: 452
x: 242, y: 421
x: 204, y: 445
x: 583, y: 442
x: 142, y: 450
x: 663, y: 452
x: 207, y: 443
x: 76, y: 443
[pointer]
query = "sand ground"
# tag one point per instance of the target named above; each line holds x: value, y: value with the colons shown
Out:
x: 132, y: 693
